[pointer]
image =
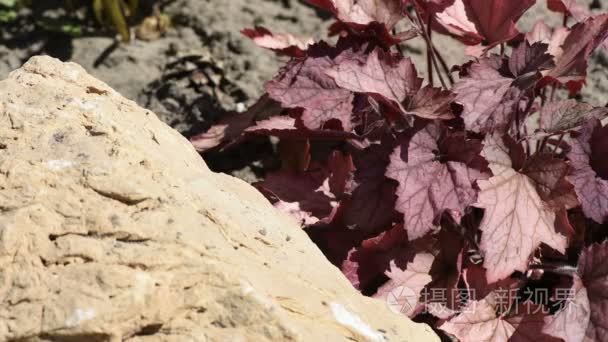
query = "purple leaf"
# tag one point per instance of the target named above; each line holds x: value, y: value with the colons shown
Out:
x: 561, y: 116
x: 593, y: 270
x: 487, y: 97
x: 381, y: 74
x: 589, y: 173
x: 304, y: 84
x: 430, y: 182
x: 516, y: 221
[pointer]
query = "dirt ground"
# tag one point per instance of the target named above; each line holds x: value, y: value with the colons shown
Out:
x: 203, y: 67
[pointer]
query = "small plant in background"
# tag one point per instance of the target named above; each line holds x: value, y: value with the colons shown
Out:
x: 71, y: 16
x: 114, y: 13
x: 8, y: 10
x: 485, y: 192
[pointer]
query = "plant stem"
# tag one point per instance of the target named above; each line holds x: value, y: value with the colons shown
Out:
x: 429, y: 53
x: 429, y: 67
x: 543, y: 143
x: 517, y: 133
x: 556, y: 268
x: 397, y: 45
x: 559, y: 141
x: 528, y: 146
x: 543, y: 97
x: 429, y: 47
x: 118, y: 19
x: 444, y: 65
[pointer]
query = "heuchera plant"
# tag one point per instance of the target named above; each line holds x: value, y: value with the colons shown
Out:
x: 484, y: 185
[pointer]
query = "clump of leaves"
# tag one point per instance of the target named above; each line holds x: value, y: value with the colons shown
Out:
x: 477, y: 195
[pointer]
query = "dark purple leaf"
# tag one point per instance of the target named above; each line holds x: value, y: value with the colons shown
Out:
x: 430, y: 182
x: 589, y: 173
x: 593, y: 270
x: 304, y: 84
x: 381, y: 74
x: 487, y: 96
x: 561, y: 116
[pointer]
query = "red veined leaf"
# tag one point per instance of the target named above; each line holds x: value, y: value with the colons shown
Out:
x: 562, y: 116
x: 288, y: 127
x: 476, y: 282
x: 445, y: 273
x: 342, y: 248
x: 431, y: 103
x: 540, y: 33
x: 480, y: 321
x: 570, y: 7
x: 396, y: 81
x: 412, y: 280
x: 454, y: 20
x: 381, y: 74
x: 529, y: 58
x: 230, y: 127
x: 494, y: 86
x: 554, y: 38
x: 275, y: 124
x: 487, y: 97
x: 589, y: 173
x: 433, y: 6
x: 571, y: 322
x: 361, y: 266
x: 488, y: 21
x: 372, y: 203
x: 516, y: 220
x: 304, y: 84
x: 233, y: 124
x: 341, y: 169
x: 431, y: 182
x: 303, y: 195
x: 285, y: 44
x: 363, y: 12
x: 366, y: 260
x: 495, y: 19
x: 571, y: 63
x: 549, y: 176
x: 387, y: 240
x: 593, y: 270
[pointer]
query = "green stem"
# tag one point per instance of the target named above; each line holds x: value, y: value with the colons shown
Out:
x: 118, y: 19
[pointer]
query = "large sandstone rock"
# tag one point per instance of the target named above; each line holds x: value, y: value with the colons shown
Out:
x: 112, y: 228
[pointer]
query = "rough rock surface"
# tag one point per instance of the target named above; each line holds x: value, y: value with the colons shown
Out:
x: 113, y: 229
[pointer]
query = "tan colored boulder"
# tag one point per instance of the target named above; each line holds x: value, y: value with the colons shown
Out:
x: 112, y: 228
